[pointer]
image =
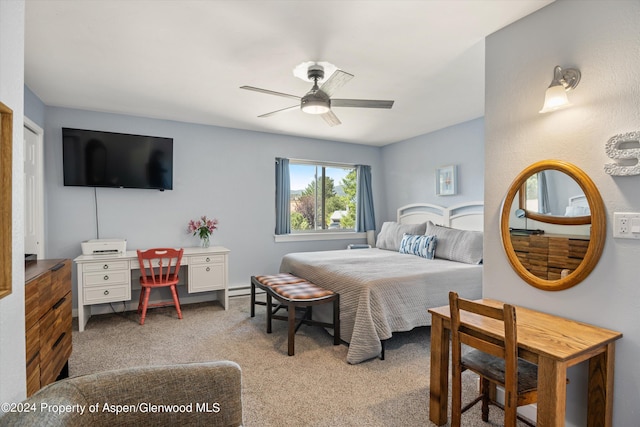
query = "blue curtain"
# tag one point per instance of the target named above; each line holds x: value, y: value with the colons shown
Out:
x: 543, y: 194
x: 283, y: 223
x: 365, y: 216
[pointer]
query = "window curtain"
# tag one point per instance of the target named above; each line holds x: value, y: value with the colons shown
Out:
x: 283, y: 189
x: 543, y: 193
x: 365, y: 216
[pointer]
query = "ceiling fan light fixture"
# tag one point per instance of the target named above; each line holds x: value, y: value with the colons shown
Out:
x: 315, y: 106
x: 315, y: 102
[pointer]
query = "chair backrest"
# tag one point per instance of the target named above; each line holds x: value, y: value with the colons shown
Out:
x: 500, y: 320
x: 159, y: 265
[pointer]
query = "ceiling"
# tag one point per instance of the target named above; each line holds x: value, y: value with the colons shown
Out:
x: 185, y: 60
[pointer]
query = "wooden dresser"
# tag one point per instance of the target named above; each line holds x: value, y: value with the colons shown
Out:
x: 546, y: 255
x: 47, y: 321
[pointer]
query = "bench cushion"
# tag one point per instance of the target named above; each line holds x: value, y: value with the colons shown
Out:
x: 279, y: 279
x: 301, y: 291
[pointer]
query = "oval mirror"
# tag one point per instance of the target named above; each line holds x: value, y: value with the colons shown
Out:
x: 553, y: 225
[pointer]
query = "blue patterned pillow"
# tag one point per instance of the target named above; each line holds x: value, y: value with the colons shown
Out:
x: 417, y: 244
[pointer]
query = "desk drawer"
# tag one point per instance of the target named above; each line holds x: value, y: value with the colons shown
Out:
x: 107, y: 278
x: 107, y: 293
x: 105, y: 266
x: 206, y: 259
x: 205, y: 277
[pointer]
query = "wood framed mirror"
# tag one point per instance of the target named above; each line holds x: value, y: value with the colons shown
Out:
x: 553, y: 225
x: 6, y: 148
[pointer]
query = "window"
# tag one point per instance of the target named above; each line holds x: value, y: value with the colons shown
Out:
x: 322, y: 197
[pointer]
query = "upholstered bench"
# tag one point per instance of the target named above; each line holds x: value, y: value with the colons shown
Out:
x: 292, y: 292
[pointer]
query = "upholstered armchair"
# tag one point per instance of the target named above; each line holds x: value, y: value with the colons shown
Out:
x: 207, y: 394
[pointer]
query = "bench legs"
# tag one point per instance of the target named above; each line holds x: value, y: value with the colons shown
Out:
x: 291, y: 315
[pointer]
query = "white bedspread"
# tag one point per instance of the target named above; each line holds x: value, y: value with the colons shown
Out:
x: 382, y: 291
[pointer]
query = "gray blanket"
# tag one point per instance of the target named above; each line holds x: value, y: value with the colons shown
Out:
x: 382, y: 291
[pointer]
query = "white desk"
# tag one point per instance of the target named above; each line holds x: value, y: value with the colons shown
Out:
x: 107, y: 278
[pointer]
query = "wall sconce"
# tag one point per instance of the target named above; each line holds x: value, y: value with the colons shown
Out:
x: 563, y: 81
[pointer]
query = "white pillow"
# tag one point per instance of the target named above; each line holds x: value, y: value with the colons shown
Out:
x: 391, y: 234
x: 457, y: 245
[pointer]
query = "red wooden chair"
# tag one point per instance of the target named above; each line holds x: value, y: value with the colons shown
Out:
x: 159, y: 267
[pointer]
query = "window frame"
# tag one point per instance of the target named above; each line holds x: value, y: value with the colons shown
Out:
x: 319, y: 234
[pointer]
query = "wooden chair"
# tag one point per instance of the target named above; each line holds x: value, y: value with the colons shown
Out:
x: 493, y: 358
x: 159, y: 267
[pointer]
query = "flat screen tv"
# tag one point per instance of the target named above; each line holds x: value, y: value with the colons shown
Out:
x: 106, y: 159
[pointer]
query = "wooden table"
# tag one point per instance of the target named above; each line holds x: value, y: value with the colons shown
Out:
x: 553, y: 343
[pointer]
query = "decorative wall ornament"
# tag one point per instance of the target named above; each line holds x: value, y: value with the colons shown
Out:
x: 616, y: 152
x: 446, y: 184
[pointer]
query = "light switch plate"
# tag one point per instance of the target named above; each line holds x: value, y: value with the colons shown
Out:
x: 626, y: 225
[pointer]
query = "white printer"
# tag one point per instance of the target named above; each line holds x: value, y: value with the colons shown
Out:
x: 104, y: 247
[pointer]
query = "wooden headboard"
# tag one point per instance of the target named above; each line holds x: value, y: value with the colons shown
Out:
x: 464, y: 216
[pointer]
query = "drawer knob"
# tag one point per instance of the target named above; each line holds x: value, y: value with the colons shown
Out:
x: 208, y: 259
x: 106, y: 266
x: 106, y: 292
x: 208, y: 268
x: 106, y: 277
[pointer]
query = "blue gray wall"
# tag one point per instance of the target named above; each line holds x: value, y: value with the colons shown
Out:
x: 218, y: 172
x: 409, y: 174
x: 601, y: 38
x: 229, y: 174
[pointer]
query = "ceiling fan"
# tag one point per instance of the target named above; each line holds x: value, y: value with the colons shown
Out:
x: 318, y: 99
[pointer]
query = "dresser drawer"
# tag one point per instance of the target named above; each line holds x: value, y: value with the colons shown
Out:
x: 206, y: 259
x: 60, y: 280
x: 107, y: 293
x: 105, y: 266
x: 107, y: 278
x: 55, y: 340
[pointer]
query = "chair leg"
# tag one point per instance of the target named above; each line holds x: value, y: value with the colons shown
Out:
x: 140, y: 298
x: 484, y: 390
x: 145, y: 303
x: 292, y: 329
x: 176, y: 301
x: 456, y: 396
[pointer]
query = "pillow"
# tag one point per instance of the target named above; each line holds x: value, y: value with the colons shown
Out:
x: 421, y: 245
x: 457, y: 245
x: 391, y: 234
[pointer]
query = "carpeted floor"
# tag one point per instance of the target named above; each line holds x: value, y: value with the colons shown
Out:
x: 316, y: 387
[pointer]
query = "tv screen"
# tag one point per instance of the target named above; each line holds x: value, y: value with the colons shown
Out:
x: 107, y: 159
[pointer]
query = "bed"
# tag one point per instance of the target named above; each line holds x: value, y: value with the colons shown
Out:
x: 382, y: 290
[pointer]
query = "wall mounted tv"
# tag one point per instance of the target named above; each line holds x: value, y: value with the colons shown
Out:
x: 106, y: 159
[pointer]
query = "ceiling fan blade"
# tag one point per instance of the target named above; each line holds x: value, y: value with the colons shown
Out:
x: 335, y: 82
x: 295, y: 107
x: 331, y: 118
x: 361, y: 103
x: 269, y: 92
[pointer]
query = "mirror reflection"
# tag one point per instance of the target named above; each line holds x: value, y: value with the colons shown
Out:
x: 551, y: 192
x: 553, y: 225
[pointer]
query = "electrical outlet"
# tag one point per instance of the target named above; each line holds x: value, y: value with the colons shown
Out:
x: 626, y: 225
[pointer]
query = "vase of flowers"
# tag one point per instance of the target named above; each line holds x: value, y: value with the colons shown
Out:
x: 203, y: 228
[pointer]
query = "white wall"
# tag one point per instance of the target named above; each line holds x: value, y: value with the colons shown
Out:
x: 12, y: 345
x: 410, y: 167
x: 602, y: 39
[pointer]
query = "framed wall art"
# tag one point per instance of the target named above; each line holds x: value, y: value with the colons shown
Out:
x: 446, y: 181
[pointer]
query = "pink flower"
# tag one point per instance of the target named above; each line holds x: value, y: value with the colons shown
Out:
x: 203, y: 227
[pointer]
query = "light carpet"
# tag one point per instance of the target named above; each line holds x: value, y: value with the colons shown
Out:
x: 316, y: 387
